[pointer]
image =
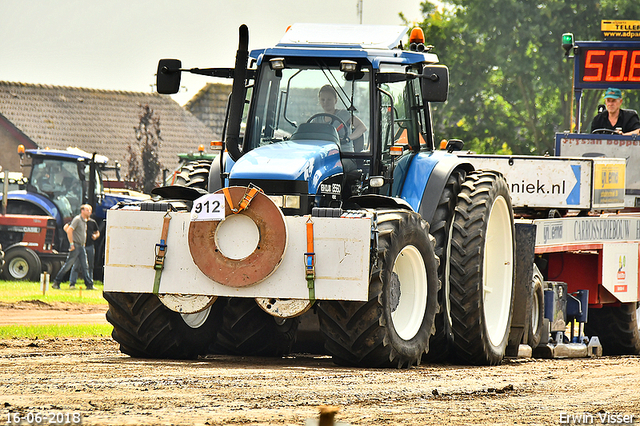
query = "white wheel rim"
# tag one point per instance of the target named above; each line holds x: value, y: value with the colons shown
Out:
x: 187, y: 303
x: 19, y: 268
x: 412, y: 304
x: 535, y: 312
x: 196, y: 320
x: 497, y: 271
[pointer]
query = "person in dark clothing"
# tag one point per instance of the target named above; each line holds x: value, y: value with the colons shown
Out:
x: 621, y: 121
x: 93, y: 234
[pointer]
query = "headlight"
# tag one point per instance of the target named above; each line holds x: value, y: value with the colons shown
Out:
x: 286, y: 201
x: 291, y: 201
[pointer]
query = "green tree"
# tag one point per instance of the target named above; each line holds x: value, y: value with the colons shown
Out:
x: 510, y: 87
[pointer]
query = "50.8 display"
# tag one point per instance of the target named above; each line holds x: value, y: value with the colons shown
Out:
x: 610, y: 65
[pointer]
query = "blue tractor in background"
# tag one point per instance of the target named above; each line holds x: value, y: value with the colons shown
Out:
x: 59, y: 182
x: 329, y: 129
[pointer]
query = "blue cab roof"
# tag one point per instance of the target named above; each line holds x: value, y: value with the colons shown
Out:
x: 375, y: 43
x: 72, y: 154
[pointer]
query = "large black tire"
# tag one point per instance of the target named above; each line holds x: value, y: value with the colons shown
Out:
x: 21, y: 264
x: 439, y: 346
x: 248, y: 330
x: 145, y: 328
x: 617, y: 327
x: 393, y: 328
x: 536, y: 321
x: 194, y: 174
x: 482, y: 276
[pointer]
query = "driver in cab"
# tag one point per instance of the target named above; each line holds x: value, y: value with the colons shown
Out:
x: 328, y: 98
x: 614, y: 118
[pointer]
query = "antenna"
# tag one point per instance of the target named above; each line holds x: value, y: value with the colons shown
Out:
x: 359, y: 10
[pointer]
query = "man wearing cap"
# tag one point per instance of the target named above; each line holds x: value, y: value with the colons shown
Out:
x: 621, y: 121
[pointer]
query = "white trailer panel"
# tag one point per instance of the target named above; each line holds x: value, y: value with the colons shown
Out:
x: 342, y: 248
x: 559, y: 182
x: 620, y: 270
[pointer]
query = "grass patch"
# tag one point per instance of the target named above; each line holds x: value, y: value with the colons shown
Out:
x: 15, y: 291
x: 43, y: 331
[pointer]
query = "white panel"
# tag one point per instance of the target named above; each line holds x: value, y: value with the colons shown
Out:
x: 542, y: 182
x: 342, y: 249
x: 620, y: 270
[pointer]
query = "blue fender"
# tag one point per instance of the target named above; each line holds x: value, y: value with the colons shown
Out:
x: 426, y: 178
x: 38, y: 200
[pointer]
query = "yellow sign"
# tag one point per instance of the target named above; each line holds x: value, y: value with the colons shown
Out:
x: 620, y: 30
x: 608, y: 182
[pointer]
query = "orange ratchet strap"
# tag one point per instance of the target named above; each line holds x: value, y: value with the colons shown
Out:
x: 310, y: 262
x: 251, y: 192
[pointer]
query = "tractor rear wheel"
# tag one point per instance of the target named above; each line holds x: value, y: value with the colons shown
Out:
x: 439, y: 346
x: 248, y: 330
x: 617, y: 327
x: 194, y: 174
x: 21, y: 263
x: 145, y: 328
x: 482, y: 276
x: 393, y: 328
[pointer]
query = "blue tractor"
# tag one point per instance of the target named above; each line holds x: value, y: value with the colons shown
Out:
x: 60, y: 181
x: 336, y: 204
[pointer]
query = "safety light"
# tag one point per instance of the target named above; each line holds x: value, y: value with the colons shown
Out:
x: 396, y: 150
x: 20, y: 149
x: 376, y: 181
x: 348, y: 66
x: 216, y: 144
x: 276, y: 63
x: 416, y: 40
x: 201, y: 148
x: 567, y: 43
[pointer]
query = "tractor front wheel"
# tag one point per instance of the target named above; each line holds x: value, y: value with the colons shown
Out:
x: 145, y: 328
x: 393, y: 328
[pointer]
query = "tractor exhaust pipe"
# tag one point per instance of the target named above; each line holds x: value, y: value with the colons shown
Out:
x: 238, y: 94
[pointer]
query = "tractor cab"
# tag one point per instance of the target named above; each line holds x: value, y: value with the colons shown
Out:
x: 328, y: 124
x: 64, y: 178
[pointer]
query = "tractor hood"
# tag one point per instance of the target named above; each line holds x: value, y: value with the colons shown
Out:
x: 308, y: 160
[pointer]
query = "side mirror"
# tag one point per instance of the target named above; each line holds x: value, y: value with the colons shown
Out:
x: 454, y: 145
x: 168, y: 76
x: 435, y: 83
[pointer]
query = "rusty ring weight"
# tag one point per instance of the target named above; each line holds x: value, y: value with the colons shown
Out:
x: 256, y: 267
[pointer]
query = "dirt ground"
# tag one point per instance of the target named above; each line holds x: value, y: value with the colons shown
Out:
x: 93, y: 380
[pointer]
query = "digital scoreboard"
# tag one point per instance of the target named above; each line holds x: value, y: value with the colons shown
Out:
x: 607, y: 64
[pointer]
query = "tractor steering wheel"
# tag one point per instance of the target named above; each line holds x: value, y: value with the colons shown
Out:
x: 605, y: 131
x: 341, y: 128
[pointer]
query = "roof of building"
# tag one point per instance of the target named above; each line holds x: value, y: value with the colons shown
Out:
x: 210, y: 106
x: 101, y: 121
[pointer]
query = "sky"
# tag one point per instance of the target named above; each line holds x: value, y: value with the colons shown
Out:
x: 116, y: 44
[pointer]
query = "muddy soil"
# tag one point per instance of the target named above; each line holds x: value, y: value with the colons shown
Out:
x: 93, y: 380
